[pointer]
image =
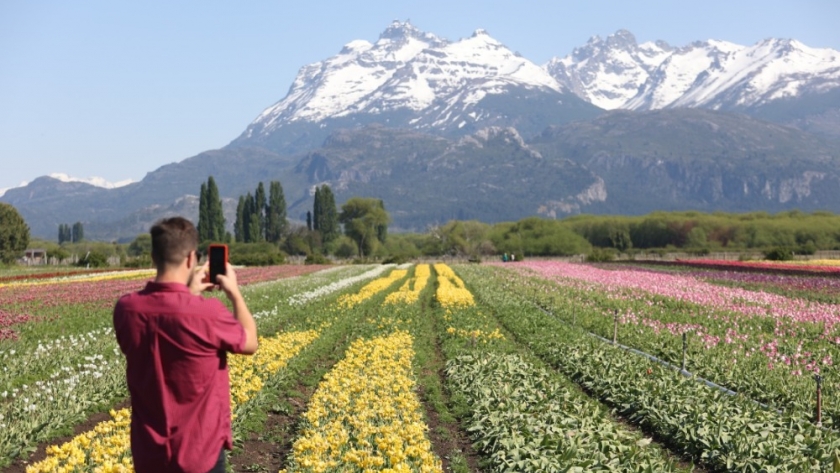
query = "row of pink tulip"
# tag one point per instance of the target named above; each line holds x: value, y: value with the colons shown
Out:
x: 721, y: 311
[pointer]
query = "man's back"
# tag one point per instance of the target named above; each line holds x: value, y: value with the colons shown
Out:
x: 175, y: 345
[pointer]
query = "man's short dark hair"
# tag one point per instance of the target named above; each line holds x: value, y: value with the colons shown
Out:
x: 172, y: 241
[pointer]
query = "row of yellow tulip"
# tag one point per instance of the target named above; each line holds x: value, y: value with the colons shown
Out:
x: 451, y: 292
x: 365, y: 416
x: 105, y: 449
x: 370, y: 289
x: 248, y: 372
x: 96, y: 277
x: 410, y: 291
x: 811, y: 262
x: 477, y: 334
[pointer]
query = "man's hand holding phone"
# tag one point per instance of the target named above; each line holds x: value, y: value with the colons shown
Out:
x: 228, y: 282
x: 199, y: 282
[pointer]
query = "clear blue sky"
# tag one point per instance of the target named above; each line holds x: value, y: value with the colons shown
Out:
x: 116, y: 89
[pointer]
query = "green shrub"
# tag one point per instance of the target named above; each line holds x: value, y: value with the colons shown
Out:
x: 809, y: 248
x: 94, y: 259
x: 395, y: 259
x: 779, y: 254
x: 143, y: 261
x: 256, y: 254
x: 256, y: 259
x: 344, y: 247
x: 600, y: 255
x: 316, y: 258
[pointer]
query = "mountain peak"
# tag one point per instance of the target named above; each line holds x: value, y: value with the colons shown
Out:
x: 480, y: 32
x: 403, y: 30
x: 621, y: 39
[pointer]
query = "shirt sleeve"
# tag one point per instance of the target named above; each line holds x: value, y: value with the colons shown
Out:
x: 226, y: 331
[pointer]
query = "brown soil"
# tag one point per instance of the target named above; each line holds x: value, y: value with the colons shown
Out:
x: 267, y: 451
x: 447, y: 438
x: 19, y: 464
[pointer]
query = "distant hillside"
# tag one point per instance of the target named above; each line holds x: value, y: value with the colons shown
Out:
x: 699, y: 159
x: 491, y: 176
x: 623, y: 163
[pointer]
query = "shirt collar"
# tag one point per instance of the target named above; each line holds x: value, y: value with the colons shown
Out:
x: 153, y: 286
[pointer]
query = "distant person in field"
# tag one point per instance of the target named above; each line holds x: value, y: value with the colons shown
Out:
x: 176, y: 342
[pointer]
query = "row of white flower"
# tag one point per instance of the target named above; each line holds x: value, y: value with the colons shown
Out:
x: 52, y: 355
x: 306, y: 279
x: 306, y: 297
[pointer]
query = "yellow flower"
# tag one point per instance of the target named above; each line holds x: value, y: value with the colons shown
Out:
x: 372, y: 288
x: 365, y: 415
x: 451, y: 293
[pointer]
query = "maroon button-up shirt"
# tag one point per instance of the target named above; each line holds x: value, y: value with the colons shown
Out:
x: 175, y: 346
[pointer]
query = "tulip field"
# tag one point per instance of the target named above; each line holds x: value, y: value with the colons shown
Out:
x: 514, y: 367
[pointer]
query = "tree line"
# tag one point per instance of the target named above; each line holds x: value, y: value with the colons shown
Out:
x: 260, y: 218
x: 71, y: 234
x: 699, y: 232
x: 262, y: 229
x: 359, y: 229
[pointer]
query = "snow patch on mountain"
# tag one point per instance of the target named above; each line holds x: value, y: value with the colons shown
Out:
x: 94, y: 180
x: 616, y: 72
x: 5, y: 189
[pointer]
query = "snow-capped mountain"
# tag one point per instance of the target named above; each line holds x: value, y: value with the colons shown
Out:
x: 619, y: 73
x: 411, y: 76
x: 93, y: 180
x: 609, y: 72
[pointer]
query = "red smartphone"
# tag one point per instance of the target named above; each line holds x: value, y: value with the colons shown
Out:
x: 218, y: 257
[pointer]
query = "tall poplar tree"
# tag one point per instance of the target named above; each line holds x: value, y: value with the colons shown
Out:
x: 251, y: 221
x: 78, y: 232
x: 239, y: 224
x: 211, y: 217
x: 316, y: 210
x: 328, y: 226
x: 215, y: 212
x: 203, y: 215
x: 64, y: 233
x: 276, y: 218
x: 382, y: 230
x: 260, y: 210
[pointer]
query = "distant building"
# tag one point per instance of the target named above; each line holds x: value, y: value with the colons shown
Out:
x: 35, y: 256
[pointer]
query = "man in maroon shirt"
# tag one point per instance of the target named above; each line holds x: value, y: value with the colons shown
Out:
x: 175, y: 342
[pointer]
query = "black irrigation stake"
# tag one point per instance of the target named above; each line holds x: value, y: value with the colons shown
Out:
x: 615, y: 327
x: 818, y: 379
x: 684, y: 350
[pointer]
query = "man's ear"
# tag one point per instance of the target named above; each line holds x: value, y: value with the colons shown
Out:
x: 190, y: 261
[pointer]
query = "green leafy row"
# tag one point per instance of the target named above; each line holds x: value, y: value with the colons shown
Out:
x: 527, y: 421
x: 523, y: 416
x: 739, y: 365
x: 724, y: 432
